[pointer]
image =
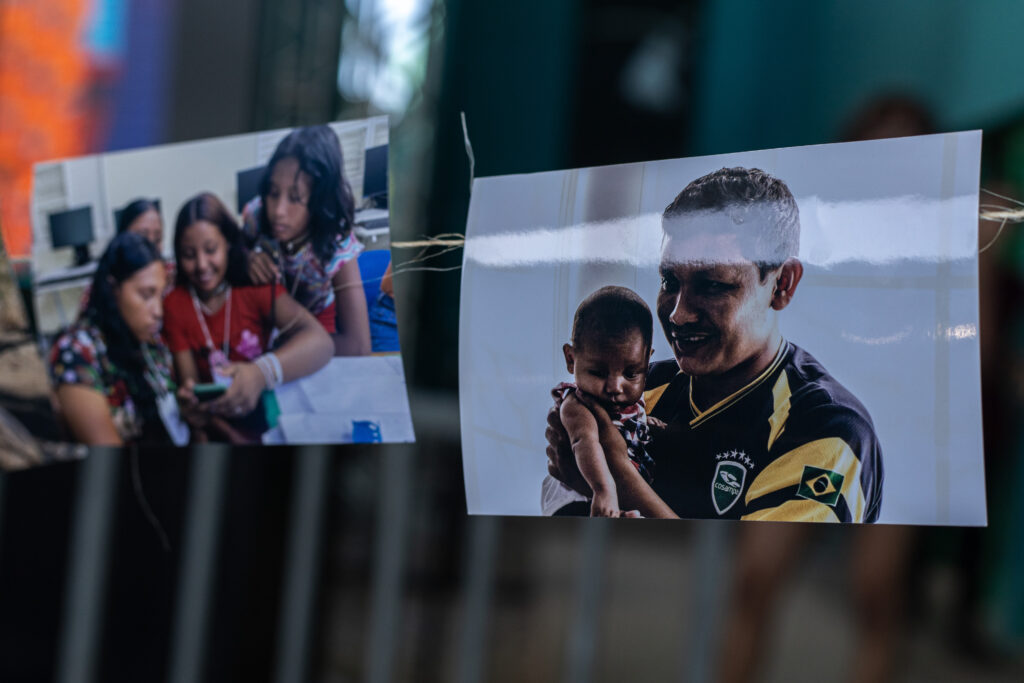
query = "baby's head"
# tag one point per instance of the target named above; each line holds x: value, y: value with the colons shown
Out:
x: 611, y: 346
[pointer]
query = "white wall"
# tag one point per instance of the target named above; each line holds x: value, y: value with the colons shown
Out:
x: 172, y: 173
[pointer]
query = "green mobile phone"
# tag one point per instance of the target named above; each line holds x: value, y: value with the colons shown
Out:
x: 208, y: 392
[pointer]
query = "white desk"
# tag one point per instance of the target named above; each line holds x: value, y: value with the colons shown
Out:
x: 320, y: 409
x: 372, y: 228
x: 58, y: 295
x: 65, y: 275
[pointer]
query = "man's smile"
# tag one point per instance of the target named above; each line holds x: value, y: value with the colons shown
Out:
x: 688, y: 341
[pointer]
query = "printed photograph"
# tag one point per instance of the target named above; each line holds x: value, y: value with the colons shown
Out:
x: 234, y: 290
x: 784, y: 335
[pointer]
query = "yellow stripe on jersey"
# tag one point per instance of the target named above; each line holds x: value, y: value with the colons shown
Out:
x: 700, y: 416
x: 652, y: 397
x: 795, y: 511
x: 780, y: 413
x: 828, y: 454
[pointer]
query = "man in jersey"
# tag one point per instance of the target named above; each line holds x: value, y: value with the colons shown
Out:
x: 755, y: 428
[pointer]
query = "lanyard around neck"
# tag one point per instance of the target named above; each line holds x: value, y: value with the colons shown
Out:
x: 206, y: 330
x: 154, y: 377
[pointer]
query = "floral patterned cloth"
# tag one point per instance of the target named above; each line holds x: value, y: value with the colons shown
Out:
x: 79, y: 356
x: 306, y: 278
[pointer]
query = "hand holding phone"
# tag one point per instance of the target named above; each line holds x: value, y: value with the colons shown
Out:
x: 208, y: 392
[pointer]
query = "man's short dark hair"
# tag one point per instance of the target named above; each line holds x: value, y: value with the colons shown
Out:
x: 612, y: 313
x: 738, y: 192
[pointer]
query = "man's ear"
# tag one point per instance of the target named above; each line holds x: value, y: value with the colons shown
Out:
x: 785, y: 283
x: 570, y: 359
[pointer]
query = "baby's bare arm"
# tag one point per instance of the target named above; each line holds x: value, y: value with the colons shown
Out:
x: 632, y: 491
x: 582, y: 428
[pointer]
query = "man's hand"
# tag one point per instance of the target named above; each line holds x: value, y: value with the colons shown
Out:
x: 655, y: 426
x: 262, y: 269
x: 561, y: 461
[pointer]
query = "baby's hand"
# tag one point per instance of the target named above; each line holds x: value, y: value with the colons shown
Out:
x: 655, y: 425
x: 604, y: 505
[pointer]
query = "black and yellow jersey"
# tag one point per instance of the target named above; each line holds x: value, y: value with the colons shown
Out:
x: 793, y: 445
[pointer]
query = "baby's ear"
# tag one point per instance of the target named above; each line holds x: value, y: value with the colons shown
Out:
x: 570, y: 359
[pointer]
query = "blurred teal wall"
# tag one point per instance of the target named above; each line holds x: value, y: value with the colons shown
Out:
x: 791, y: 72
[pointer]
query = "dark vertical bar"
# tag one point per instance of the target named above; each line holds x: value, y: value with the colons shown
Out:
x: 199, y: 561
x: 392, y: 525
x: 81, y: 623
x: 309, y: 497
x: 708, y: 597
x: 579, y: 665
x: 483, y: 549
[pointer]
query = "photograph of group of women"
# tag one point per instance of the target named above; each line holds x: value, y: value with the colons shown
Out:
x: 231, y: 290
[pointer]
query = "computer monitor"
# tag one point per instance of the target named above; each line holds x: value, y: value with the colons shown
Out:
x: 248, y: 182
x: 73, y: 228
x: 375, y: 175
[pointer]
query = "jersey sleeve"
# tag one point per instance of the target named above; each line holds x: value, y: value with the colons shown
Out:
x: 825, y: 465
x: 74, y: 359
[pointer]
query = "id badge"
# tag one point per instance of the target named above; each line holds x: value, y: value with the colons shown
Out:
x: 219, y: 378
x: 217, y: 361
x: 167, y: 405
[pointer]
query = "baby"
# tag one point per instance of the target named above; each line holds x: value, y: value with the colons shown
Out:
x: 608, y: 358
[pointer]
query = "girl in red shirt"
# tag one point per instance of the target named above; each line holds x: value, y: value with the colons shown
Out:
x: 218, y: 328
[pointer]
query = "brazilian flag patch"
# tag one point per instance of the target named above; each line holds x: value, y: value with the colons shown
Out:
x: 820, y: 485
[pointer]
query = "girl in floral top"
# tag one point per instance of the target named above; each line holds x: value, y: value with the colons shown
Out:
x: 111, y: 371
x: 299, y: 231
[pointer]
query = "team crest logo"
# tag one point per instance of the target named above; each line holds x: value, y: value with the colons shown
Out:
x: 820, y: 485
x: 727, y: 485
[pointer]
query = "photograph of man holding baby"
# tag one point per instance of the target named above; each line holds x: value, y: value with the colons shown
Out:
x: 229, y: 326
x: 763, y: 424
x: 814, y: 308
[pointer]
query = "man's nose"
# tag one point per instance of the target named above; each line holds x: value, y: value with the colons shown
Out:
x: 683, y: 311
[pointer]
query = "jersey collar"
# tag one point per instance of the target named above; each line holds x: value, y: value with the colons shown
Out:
x: 702, y: 416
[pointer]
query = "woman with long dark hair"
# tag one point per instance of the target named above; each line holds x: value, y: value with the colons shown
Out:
x: 300, y: 233
x: 110, y: 369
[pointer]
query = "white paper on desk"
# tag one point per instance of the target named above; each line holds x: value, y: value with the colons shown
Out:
x: 370, y: 385
x: 322, y: 407
x: 337, y: 428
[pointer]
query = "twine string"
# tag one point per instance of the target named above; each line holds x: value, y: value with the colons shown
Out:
x: 1002, y: 214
